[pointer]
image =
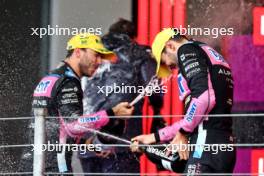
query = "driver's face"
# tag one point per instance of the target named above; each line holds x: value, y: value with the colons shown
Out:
x: 89, y: 61
x: 169, y: 59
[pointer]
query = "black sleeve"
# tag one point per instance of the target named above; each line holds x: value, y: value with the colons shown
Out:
x: 69, y: 99
x: 193, y: 66
x: 147, y: 71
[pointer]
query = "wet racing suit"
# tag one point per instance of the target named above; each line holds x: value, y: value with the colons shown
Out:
x: 206, y: 87
x: 60, y: 93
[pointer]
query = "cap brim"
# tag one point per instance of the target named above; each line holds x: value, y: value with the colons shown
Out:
x: 102, y: 50
x: 163, y: 71
x: 110, y: 57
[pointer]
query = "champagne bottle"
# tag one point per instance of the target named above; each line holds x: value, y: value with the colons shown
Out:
x: 157, y: 155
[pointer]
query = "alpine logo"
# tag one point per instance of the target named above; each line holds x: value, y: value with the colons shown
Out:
x: 191, y: 112
x: 43, y: 86
x: 216, y: 55
x: 224, y: 72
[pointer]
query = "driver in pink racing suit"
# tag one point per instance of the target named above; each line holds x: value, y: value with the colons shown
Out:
x: 206, y: 87
x: 60, y: 95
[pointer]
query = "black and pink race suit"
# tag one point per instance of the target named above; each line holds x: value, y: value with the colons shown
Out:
x: 60, y: 93
x: 206, y: 86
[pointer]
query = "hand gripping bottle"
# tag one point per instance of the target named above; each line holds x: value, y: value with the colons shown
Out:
x: 158, y: 156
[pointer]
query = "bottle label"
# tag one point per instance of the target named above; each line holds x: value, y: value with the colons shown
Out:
x: 166, y: 164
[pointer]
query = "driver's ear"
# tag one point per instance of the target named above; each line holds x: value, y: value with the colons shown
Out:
x: 77, y: 52
x: 170, y: 46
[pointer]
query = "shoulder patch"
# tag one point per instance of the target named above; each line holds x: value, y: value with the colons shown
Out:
x: 214, y: 56
x: 45, y: 86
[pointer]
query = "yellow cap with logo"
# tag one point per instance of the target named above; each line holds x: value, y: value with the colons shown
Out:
x: 158, y: 45
x: 87, y: 40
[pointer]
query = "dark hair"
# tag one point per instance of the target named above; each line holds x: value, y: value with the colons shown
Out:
x: 178, y: 36
x: 69, y: 52
x: 124, y: 26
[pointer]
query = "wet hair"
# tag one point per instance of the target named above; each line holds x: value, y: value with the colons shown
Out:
x: 178, y: 36
x: 124, y: 26
x: 70, y: 52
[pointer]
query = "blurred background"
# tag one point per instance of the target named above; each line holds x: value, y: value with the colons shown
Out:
x: 24, y: 58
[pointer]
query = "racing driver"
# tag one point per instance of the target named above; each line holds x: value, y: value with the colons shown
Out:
x: 206, y: 87
x: 59, y: 94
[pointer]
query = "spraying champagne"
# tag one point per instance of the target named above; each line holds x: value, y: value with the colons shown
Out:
x: 157, y: 155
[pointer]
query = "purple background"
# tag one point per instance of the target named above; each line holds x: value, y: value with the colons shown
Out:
x: 247, y: 62
x: 243, y: 161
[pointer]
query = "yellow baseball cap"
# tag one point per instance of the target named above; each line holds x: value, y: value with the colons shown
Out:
x: 87, y: 40
x: 158, y: 45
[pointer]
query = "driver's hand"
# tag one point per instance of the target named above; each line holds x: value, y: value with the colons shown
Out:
x: 180, y: 142
x: 123, y: 109
x: 142, y: 139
